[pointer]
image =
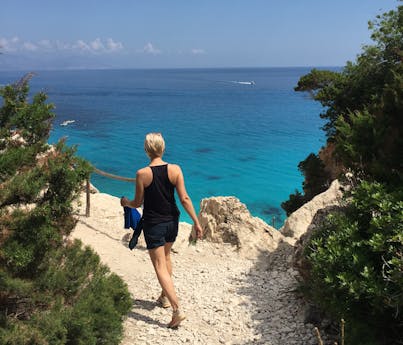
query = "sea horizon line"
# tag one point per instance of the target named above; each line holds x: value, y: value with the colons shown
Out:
x: 165, y: 68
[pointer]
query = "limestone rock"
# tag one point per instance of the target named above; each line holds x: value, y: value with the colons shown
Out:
x: 182, y: 240
x: 227, y: 220
x: 298, y: 222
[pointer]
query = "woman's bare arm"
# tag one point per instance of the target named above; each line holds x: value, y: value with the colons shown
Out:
x: 186, y: 201
x: 139, y: 194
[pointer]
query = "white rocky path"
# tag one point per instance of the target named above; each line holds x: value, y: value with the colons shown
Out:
x: 233, y: 293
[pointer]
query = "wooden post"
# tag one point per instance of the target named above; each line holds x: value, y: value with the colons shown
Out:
x: 88, y: 192
x: 342, y: 331
x: 320, y: 342
x: 102, y: 173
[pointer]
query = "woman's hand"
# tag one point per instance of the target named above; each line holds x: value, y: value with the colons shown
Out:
x: 199, y: 231
x: 123, y: 201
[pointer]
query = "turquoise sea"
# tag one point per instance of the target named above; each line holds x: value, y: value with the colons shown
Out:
x: 239, y: 132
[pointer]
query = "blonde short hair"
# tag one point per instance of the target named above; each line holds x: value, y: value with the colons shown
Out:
x: 154, y: 145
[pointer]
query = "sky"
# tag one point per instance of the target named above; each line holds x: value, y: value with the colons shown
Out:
x: 92, y: 34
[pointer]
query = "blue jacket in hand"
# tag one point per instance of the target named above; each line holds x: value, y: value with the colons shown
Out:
x: 133, y: 220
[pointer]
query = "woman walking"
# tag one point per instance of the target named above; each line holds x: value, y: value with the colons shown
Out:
x: 155, y: 188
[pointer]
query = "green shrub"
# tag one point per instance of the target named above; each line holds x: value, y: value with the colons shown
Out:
x: 356, y: 256
x: 316, y: 180
x: 356, y: 261
x: 52, y: 291
x: 97, y: 314
x: 294, y: 202
x: 16, y: 158
x: 362, y: 106
x: 18, y: 333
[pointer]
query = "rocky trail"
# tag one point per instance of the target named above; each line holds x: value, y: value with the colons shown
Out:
x: 229, y: 296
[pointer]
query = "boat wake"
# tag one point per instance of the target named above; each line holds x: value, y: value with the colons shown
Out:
x: 243, y: 82
x: 67, y: 122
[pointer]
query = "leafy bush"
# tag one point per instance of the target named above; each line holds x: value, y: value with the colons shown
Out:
x: 52, y: 291
x: 356, y: 256
x: 356, y: 261
x: 362, y: 106
x: 317, y: 180
x: 294, y: 202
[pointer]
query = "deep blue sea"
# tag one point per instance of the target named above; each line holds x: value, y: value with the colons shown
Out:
x: 230, y: 137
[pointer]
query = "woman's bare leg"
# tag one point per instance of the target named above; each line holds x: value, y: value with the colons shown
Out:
x: 167, y: 250
x: 160, y: 264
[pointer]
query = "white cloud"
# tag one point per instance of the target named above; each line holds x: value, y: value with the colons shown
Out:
x: 3, y: 42
x: 198, y: 51
x: 29, y: 46
x: 150, y: 49
x: 81, y: 45
x: 8, y: 45
x: 98, y: 45
x: 112, y: 46
x: 45, y: 44
x: 62, y: 45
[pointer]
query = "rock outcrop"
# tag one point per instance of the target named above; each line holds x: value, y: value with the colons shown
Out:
x: 298, y: 222
x: 227, y: 220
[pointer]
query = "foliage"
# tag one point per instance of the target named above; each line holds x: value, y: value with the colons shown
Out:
x: 357, y: 264
x: 33, y: 120
x: 317, y: 180
x: 363, y: 103
x: 356, y: 256
x: 51, y: 290
x: 294, y: 202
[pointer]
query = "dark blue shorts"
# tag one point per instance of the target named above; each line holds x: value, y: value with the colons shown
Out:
x: 158, y: 234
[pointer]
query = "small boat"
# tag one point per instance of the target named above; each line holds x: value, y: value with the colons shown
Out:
x: 245, y: 82
x: 67, y: 122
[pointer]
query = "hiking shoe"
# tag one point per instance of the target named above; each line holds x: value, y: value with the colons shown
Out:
x: 163, y: 301
x: 177, y: 318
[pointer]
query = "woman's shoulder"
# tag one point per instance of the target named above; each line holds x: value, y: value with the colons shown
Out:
x: 174, y: 167
x: 143, y: 171
x: 174, y: 171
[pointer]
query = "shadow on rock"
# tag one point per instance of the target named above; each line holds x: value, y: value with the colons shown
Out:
x: 139, y: 305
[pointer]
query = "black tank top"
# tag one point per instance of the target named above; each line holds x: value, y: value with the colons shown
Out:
x: 159, y: 199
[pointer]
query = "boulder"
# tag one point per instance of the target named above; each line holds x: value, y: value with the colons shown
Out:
x: 227, y: 220
x: 298, y: 222
x: 182, y: 240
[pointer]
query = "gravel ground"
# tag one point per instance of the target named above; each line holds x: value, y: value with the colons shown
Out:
x: 227, y: 299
